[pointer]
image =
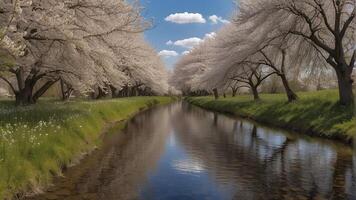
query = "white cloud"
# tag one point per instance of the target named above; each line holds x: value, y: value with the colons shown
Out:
x: 169, y: 42
x: 210, y: 35
x: 216, y: 19
x: 168, y: 53
x: 185, y: 53
x: 188, y: 43
x: 186, y: 18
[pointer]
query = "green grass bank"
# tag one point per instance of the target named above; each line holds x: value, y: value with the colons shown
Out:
x: 37, y: 142
x: 315, y: 113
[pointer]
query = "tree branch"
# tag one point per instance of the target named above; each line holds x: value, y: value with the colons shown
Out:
x: 9, y: 83
x: 347, y: 24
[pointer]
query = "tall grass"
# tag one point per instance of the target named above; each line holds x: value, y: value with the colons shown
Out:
x: 36, y: 142
x: 315, y: 113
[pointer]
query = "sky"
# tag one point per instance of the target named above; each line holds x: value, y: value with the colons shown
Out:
x: 178, y: 25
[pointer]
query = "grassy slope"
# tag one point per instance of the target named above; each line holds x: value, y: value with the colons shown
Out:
x: 36, y: 142
x: 316, y: 113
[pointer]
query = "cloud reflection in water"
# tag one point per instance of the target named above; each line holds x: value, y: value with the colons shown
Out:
x: 188, y: 166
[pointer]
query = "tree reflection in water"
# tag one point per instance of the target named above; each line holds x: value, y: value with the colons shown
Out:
x: 183, y: 152
x: 265, y: 163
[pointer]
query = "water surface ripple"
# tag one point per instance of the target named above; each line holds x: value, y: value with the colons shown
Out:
x: 180, y: 152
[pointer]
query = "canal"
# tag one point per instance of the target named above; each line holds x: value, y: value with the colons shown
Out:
x: 181, y: 152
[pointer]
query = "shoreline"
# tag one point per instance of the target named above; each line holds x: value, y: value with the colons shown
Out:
x: 335, y: 130
x: 63, y: 141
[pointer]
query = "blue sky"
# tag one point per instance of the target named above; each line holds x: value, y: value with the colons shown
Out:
x: 173, y: 29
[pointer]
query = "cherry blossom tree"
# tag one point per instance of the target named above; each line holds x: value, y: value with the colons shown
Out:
x: 251, y: 76
x: 190, y: 69
x: 327, y: 25
x: 286, y: 38
x: 87, y: 45
x: 11, y: 40
x: 147, y: 73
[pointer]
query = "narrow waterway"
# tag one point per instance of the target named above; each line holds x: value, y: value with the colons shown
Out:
x: 181, y: 152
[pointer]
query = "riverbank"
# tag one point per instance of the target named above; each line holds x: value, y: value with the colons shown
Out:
x: 38, y: 141
x: 315, y: 113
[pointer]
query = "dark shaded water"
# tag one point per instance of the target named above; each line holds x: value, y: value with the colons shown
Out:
x: 180, y: 152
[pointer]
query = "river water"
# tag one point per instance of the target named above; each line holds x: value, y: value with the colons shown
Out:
x: 181, y: 152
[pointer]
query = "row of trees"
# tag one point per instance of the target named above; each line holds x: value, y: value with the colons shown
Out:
x: 286, y: 39
x: 91, y: 47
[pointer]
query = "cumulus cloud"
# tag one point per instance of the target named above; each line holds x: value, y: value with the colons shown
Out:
x: 216, y: 19
x: 168, y: 53
x: 210, y: 35
x: 169, y: 42
x: 186, y: 18
x: 188, y: 43
x: 185, y: 53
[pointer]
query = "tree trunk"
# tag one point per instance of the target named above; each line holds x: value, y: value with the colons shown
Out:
x: 66, y: 94
x: 113, y: 90
x: 101, y: 93
x: 345, y: 87
x: 290, y: 94
x: 62, y: 90
x: 140, y: 92
x: 216, y: 93
x: 24, y: 96
x: 66, y: 91
x: 123, y: 91
x: 126, y: 91
x: 234, y: 92
x: 43, y: 90
x: 134, y: 91
x: 69, y: 93
x: 256, y: 96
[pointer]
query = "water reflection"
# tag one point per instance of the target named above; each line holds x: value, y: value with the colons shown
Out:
x: 116, y: 171
x: 262, y: 163
x: 183, y: 152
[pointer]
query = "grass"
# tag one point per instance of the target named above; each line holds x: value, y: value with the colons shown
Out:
x: 315, y: 113
x: 37, y: 142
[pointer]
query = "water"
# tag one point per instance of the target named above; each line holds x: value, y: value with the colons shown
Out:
x: 180, y: 152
